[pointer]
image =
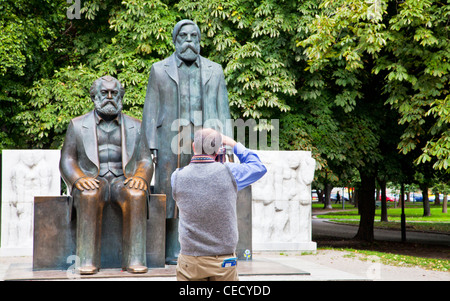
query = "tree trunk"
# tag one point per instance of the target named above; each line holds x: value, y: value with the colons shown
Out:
x: 437, y: 201
x: 320, y: 196
x: 384, y: 215
x: 403, y: 216
x: 444, y: 204
x: 366, y: 207
x: 426, y: 202
x: 327, y: 203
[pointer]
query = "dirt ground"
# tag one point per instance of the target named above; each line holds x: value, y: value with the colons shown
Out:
x: 373, y: 269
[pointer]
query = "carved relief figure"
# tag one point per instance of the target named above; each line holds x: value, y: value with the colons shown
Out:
x: 282, y: 199
x: 30, y: 177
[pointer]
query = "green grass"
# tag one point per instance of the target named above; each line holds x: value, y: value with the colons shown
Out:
x: 347, y: 205
x: 395, y: 225
x: 394, y: 214
x: 438, y: 221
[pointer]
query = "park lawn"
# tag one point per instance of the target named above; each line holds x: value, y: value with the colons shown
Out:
x: 438, y: 221
x: 395, y: 225
x: 394, y: 214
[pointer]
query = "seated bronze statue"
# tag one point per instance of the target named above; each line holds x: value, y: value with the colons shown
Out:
x: 101, y: 162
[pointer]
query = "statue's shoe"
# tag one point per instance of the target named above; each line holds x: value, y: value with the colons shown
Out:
x: 87, y: 270
x: 137, y: 269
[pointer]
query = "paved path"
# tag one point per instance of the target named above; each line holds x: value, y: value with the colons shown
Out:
x: 281, y: 267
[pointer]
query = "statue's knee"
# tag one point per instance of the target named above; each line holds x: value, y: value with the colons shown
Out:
x: 89, y: 196
x: 136, y: 193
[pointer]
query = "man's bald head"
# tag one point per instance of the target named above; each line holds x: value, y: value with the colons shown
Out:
x: 207, y: 141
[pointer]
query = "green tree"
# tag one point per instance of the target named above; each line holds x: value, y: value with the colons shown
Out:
x: 408, y: 43
x: 32, y: 36
x: 386, y: 52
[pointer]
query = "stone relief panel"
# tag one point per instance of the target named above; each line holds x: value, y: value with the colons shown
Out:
x: 25, y: 174
x: 282, y: 200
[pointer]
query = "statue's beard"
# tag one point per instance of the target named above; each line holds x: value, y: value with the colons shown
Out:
x: 188, y: 51
x: 108, y: 107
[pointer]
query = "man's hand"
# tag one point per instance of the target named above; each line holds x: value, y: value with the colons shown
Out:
x: 87, y: 183
x: 228, y: 141
x: 136, y: 182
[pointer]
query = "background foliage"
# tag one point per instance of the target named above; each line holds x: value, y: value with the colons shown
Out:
x: 362, y: 84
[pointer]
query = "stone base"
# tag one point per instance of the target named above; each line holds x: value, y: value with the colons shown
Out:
x: 310, y: 247
x: 244, y: 217
x: 13, y: 252
x: 23, y: 271
x: 55, y: 234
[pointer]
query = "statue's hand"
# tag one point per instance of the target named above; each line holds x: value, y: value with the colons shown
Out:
x: 136, y: 182
x: 87, y: 183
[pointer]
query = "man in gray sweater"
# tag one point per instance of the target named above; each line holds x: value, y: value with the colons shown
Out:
x: 206, y: 192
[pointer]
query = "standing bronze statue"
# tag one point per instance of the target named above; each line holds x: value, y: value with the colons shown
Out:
x: 185, y: 91
x: 100, y: 163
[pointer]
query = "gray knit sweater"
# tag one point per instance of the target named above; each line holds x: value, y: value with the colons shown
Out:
x: 206, y: 195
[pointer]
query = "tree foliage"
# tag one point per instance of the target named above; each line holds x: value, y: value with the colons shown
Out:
x: 310, y: 64
x: 407, y: 43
